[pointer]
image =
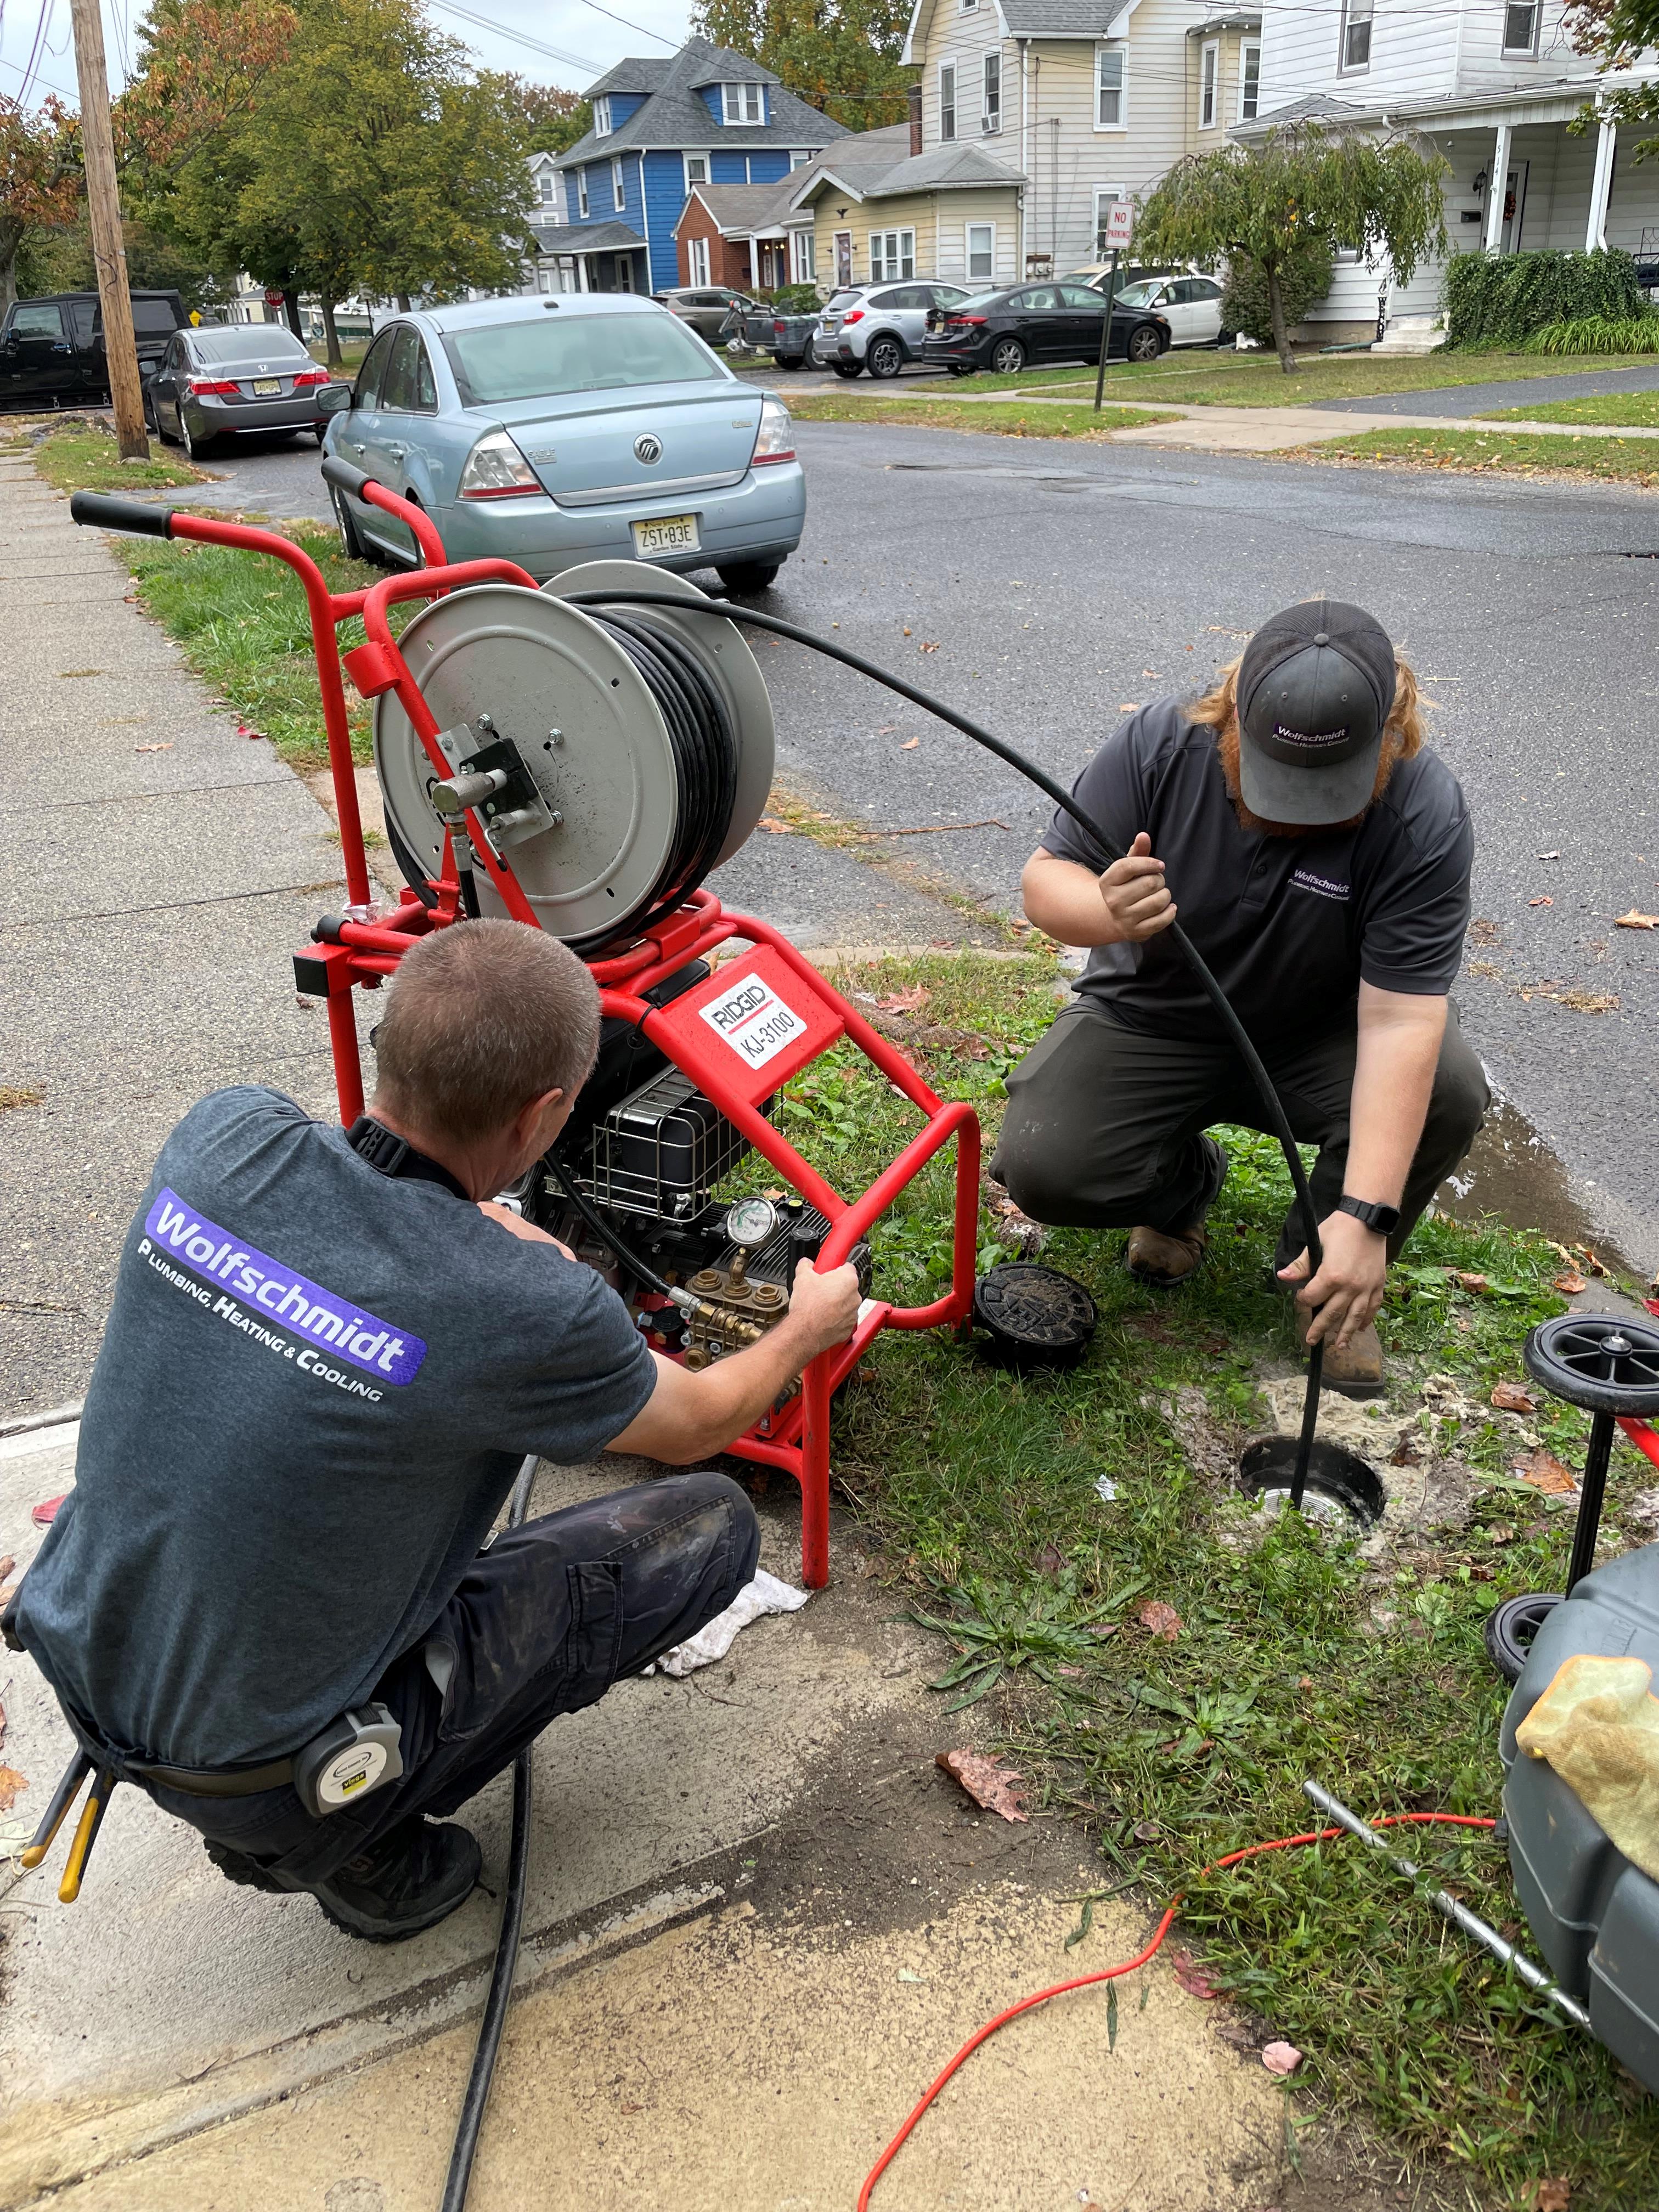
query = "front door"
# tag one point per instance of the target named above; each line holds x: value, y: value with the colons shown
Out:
x: 843, y: 259
x: 1515, y: 207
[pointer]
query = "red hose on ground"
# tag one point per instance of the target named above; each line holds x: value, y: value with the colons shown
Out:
x: 1112, y: 1973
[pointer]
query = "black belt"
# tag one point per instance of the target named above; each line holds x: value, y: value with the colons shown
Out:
x: 212, y: 1781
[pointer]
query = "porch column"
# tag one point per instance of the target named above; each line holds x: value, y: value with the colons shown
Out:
x: 1595, y: 232
x: 1497, y: 190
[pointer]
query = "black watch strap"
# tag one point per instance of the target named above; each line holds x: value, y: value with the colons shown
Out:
x: 1384, y: 1219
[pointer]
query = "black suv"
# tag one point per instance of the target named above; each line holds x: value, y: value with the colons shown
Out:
x: 52, y: 349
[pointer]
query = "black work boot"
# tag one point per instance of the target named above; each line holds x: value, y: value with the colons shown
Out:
x: 414, y: 1876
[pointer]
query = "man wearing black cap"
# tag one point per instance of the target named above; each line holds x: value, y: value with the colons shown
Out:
x: 1319, y: 855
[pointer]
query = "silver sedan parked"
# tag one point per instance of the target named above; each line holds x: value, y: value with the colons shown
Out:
x: 226, y: 380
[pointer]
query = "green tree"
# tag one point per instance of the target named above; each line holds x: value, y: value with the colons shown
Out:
x: 1301, y: 187
x: 554, y: 118
x: 1614, y: 33
x: 841, y: 57
x: 40, y: 183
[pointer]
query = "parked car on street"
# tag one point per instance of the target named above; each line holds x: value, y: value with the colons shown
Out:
x: 549, y: 431
x: 879, y: 327
x: 787, y: 339
x: 1189, y: 302
x: 705, y: 306
x: 234, y: 379
x: 52, y: 349
x: 1007, y: 331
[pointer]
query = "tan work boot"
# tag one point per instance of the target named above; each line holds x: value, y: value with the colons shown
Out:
x: 1357, y: 1369
x: 1157, y: 1256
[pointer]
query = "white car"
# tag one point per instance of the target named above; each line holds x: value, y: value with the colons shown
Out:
x: 1190, y: 301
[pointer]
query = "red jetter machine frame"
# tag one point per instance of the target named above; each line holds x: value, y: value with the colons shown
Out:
x: 359, y: 949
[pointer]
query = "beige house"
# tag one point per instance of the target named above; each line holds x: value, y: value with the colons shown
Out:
x: 1087, y: 101
x: 883, y: 212
x: 1224, y: 69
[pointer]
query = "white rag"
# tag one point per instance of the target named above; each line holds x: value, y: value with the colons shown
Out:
x: 766, y: 1594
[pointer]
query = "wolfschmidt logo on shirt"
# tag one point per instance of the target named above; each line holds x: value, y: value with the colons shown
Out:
x: 311, y: 1312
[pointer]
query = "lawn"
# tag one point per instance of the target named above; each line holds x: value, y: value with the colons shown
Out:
x: 1203, y: 377
x: 83, y: 456
x: 1008, y: 420
x: 1634, y: 410
x: 1498, y: 453
x: 1296, y: 1655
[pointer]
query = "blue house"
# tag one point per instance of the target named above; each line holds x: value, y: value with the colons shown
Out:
x: 705, y: 117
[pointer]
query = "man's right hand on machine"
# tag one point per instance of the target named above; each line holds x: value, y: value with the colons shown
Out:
x: 692, y: 1414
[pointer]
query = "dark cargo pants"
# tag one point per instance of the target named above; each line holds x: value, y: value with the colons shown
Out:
x: 544, y: 1621
x: 1103, y: 1124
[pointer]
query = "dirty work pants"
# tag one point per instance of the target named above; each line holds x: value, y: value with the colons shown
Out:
x: 1103, y: 1124
x: 544, y: 1621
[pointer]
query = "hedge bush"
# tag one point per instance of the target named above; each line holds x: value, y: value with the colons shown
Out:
x: 1496, y: 302
x: 1303, y: 279
x: 1596, y: 334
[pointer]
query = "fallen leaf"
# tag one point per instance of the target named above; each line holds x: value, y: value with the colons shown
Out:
x: 1281, y: 2058
x: 1235, y: 2031
x: 1571, y: 1283
x: 1635, y: 920
x: 907, y: 633
x: 1549, y: 856
x: 1541, y: 901
x: 1474, y: 1283
x: 929, y: 645
x: 1192, y: 1976
x: 1147, y: 1832
x: 1076, y: 1673
x: 778, y: 829
x: 1050, y: 1562
x: 909, y: 745
x: 1514, y: 1397
x: 1151, y: 672
x: 1103, y: 1629
x: 1128, y: 706
x: 167, y: 748
x: 10, y: 1783
x: 46, y: 1512
x: 905, y: 1002
x: 987, y: 1781
x: 1405, y: 1453
x: 1158, y: 1620
x: 1552, y: 2197
x: 1545, y: 1471
x: 1588, y: 1260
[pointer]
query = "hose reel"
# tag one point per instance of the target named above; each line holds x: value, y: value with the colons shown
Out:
x: 617, y: 757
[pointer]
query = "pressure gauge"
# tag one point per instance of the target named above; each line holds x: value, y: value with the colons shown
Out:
x: 751, y: 1222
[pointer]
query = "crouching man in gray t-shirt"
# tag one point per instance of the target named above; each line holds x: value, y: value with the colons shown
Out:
x: 326, y: 1359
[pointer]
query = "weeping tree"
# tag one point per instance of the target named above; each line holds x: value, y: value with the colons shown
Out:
x: 1303, y: 188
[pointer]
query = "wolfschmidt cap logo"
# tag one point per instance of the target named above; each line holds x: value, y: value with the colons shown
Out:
x: 648, y: 448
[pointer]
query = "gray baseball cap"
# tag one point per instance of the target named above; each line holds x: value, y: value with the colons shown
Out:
x: 1314, y: 694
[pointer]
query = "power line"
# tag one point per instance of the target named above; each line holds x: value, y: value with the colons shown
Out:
x: 519, y: 37
x: 27, y: 70
x: 628, y: 25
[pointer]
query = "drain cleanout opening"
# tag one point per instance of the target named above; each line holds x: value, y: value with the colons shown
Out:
x: 1340, y: 1486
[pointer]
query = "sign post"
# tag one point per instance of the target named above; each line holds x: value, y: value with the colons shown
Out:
x: 1119, y: 228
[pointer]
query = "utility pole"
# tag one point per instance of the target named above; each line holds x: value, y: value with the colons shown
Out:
x: 108, y: 248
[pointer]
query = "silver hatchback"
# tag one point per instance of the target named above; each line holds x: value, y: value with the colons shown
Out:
x: 879, y: 327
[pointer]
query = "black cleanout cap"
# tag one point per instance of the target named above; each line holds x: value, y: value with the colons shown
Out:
x: 1315, y: 690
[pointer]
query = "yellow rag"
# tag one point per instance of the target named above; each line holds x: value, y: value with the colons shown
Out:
x: 1598, y: 1726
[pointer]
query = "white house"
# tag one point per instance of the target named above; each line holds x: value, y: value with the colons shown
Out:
x: 1089, y: 101
x: 1492, y: 84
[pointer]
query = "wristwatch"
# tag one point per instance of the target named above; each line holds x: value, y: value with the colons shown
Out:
x: 1384, y: 1219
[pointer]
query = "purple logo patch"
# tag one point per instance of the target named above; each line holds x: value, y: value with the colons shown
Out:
x: 321, y: 1315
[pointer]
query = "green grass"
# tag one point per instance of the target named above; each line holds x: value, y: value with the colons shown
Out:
x: 1295, y: 1656
x: 1498, y: 453
x: 242, y: 622
x: 83, y: 459
x: 1633, y: 410
x: 1008, y: 420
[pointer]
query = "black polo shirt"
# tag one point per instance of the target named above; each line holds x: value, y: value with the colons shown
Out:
x: 1290, y: 925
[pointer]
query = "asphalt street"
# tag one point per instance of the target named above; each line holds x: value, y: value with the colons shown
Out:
x: 1044, y: 588
x: 1486, y: 398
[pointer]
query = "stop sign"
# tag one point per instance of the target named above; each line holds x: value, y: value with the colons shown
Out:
x: 273, y: 299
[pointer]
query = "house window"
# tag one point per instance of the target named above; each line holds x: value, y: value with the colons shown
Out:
x: 990, y: 114
x: 1111, y: 88
x: 1250, y: 80
x: 982, y: 252
x: 803, y: 258
x: 602, y: 118
x: 618, y: 190
x: 696, y: 260
x: 947, y: 102
x: 892, y: 255
x: 968, y: 6
x: 1207, y: 59
x: 696, y: 170
x: 1106, y: 197
x: 547, y: 188
x: 798, y: 157
x: 581, y: 194
x: 1355, y: 52
x: 1521, y: 26
x: 744, y: 103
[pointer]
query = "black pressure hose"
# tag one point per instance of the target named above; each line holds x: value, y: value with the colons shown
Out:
x: 507, y: 1943
x: 1063, y: 799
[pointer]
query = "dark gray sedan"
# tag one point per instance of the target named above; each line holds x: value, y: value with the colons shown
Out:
x: 239, y: 379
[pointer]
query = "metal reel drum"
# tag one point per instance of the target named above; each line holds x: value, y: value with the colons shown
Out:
x: 589, y: 729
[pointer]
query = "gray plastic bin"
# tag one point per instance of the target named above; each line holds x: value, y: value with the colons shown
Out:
x: 1595, y: 1915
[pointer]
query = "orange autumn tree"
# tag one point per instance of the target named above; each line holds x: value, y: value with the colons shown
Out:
x: 40, y: 183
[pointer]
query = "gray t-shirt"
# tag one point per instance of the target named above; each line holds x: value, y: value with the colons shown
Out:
x: 1290, y: 925
x: 314, y: 1394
